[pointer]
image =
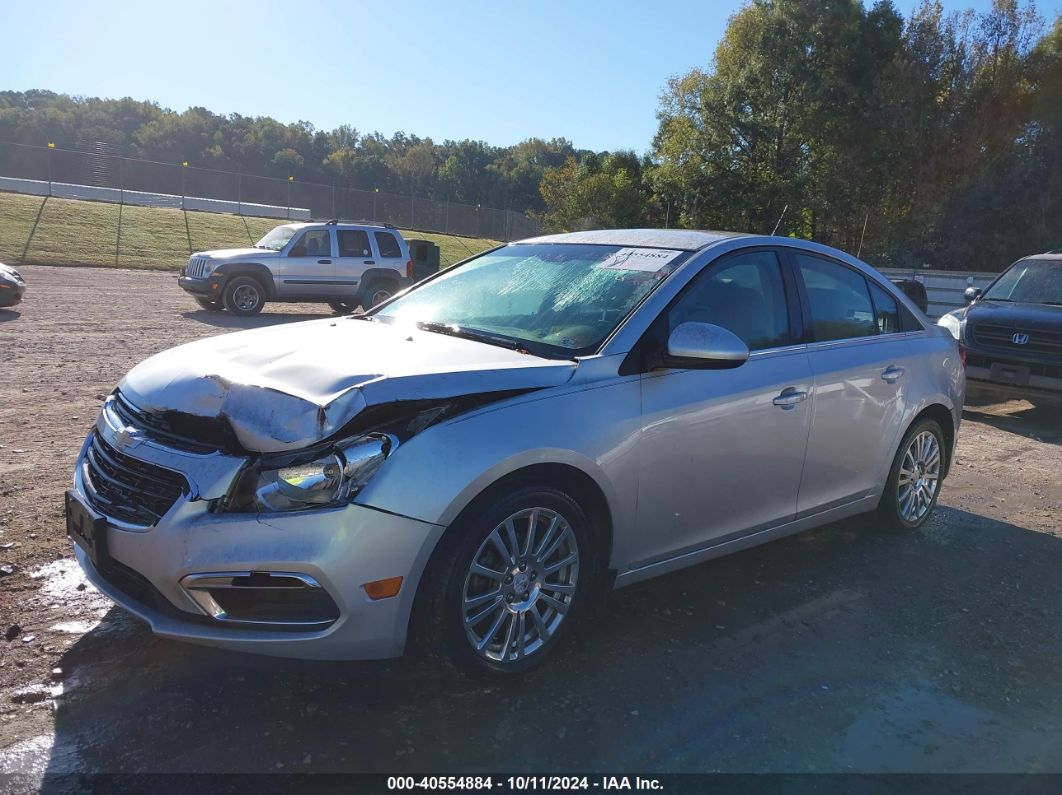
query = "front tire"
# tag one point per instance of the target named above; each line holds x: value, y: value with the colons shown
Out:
x: 510, y: 582
x: 914, y: 481
x: 244, y: 296
x: 343, y: 307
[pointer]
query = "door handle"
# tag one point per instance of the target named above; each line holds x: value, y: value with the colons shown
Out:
x: 370, y: 262
x: 324, y: 262
x: 892, y: 373
x: 789, y: 398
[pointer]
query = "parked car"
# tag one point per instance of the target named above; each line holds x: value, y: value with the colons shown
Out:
x: 341, y: 264
x: 12, y: 286
x: 914, y: 290
x: 464, y: 465
x: 1010, y: 335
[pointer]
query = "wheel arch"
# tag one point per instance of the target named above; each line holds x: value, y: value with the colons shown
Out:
x: 255, y: 270
x: 944, y: 417
x: 579, y: 484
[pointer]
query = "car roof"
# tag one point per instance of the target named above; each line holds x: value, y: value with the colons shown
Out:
x: 685, y: 239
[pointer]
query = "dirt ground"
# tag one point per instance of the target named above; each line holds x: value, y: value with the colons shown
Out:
x: 844, y: 649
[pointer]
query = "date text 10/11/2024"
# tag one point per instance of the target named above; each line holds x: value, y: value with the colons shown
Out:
x: 523, y: 783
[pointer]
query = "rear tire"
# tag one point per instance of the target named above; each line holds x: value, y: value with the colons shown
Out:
x: 208, y: 305
x: 496, y: 603
x: 377, y: 292
x: 913, y: 486
x: 244, y: 296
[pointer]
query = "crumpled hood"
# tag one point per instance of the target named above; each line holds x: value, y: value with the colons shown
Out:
x: 236, y: 253
x: 287, y: 386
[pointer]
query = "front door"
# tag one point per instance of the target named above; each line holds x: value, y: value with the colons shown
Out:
x: 721, y: 450
x: 308, y: 270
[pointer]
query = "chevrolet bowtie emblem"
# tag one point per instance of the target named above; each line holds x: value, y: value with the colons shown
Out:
x: 124, y: 438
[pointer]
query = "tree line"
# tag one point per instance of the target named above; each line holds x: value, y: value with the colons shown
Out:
x: 471, y: 172
x: 933, y: 139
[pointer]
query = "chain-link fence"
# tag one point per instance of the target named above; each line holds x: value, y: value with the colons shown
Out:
x: 104, y: 176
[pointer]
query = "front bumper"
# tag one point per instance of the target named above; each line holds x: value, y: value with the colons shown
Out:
x: 210, y: 287
x: 11, y: 293
x: 340, y: 549
x: 1006, y: 376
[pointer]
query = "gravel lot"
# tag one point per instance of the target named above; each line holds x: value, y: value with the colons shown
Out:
x: 844, y: 649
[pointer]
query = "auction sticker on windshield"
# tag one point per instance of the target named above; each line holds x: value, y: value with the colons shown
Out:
x: 639, y: 259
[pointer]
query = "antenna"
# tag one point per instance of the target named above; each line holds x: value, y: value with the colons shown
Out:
x: 780, y: 217
x: 860, y: 251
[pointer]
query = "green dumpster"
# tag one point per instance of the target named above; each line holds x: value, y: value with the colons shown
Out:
x: 425, y: 256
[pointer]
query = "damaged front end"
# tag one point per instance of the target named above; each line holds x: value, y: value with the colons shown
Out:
x: 333, y: 473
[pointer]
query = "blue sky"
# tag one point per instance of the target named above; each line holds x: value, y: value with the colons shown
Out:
x: 500, y: 72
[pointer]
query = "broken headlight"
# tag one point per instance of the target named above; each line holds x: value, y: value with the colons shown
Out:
x: 331, y: 477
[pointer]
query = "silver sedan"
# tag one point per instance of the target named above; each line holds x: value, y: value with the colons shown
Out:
x: 462, y: 467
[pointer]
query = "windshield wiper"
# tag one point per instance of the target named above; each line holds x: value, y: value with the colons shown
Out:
x: 454, y: 330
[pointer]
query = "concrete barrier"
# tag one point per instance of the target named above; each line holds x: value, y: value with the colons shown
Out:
x: 943, y: 288
x: 66, y: 190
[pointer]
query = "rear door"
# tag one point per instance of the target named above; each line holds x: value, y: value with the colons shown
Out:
x: 859, y: 361
x: 308, y: 269
x: 355, y: 257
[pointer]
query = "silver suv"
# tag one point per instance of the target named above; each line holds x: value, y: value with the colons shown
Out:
x: 466, y: 464
x: 341, y: 264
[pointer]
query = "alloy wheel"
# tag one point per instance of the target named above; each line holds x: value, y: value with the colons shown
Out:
x: 520, y: 586
x: 246, y: 297
x: 916, y: 486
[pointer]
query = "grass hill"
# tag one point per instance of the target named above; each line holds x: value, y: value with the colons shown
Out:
x: 70, y: 232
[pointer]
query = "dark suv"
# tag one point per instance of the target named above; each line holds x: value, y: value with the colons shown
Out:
x: 1010, y: 334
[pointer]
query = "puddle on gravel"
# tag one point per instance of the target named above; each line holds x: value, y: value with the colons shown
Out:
x: 25, y: 763
x: 63, y: 585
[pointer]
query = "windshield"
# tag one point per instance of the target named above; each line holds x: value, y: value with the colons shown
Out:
x: 563, y: 298
x: 1031, y: 282
x: 277, y: 238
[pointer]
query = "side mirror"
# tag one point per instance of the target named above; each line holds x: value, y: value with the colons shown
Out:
x: 705, y: 346
x: 297, y: 251
x: 972, y: 294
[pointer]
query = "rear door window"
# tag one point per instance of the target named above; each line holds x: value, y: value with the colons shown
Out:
x: 354, y: 243
x: 838, y: 298
x: 388, y: 245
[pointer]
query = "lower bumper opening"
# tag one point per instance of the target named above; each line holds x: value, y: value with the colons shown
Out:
x: 278, y: 600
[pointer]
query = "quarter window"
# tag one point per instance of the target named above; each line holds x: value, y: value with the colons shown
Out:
x: 744, y: 294
x: 353, y: 243
x: 886, y: 310
x: 840, y: 303
x: 387, y: 244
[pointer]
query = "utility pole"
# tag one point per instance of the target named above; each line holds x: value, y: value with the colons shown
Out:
x: 48, y: 159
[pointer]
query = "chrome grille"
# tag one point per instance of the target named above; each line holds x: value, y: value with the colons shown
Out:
x: 197, y: 267
x: 127, y: 489
x: 997, y: 336
x: 157, y: 427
